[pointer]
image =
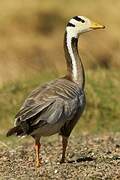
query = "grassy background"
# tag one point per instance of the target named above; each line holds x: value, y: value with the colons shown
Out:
x: 31, y: 52
x: 103, y: 105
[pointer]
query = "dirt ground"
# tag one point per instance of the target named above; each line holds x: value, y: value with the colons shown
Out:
x: 88, y: 157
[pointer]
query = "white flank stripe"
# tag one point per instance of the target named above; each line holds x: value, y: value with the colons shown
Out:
x: 69, y: 37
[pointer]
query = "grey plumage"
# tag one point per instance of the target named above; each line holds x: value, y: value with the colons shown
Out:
x: 51, y: 106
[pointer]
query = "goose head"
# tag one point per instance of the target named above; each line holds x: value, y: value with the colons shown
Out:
x: 80, y: 24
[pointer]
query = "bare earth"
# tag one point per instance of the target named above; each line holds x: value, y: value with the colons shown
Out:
x: 88, y: 157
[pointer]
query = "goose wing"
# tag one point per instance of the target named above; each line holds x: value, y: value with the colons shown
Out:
x: 50, y: 103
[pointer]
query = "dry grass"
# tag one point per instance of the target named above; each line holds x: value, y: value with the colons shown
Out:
x: 31, y: 33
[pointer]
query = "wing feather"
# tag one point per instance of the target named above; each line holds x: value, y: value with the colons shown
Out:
x: 29, y: 112
x: 52, y: 113
x: 51, y: 103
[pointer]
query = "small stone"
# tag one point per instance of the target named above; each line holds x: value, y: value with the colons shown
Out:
x: 55, y: 171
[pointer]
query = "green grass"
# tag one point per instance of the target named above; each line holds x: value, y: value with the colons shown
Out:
x: 103, y: 105
x: 103, y: 100
x: 12, y: 96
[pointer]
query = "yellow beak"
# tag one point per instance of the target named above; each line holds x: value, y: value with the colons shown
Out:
x: 95, y: 25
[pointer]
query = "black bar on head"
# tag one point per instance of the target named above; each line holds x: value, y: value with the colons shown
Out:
x: 79, y: 19
x: 70, y: 24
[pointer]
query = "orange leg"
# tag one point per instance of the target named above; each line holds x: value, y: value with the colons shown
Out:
x: 37, y: 149
x: 64, y: 145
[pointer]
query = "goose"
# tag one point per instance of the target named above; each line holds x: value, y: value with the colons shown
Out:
x: 57, y: 106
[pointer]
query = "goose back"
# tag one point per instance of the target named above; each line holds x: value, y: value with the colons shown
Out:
x: 55, y: 103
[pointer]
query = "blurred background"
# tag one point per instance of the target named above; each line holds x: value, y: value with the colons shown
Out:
x: 31, y: 53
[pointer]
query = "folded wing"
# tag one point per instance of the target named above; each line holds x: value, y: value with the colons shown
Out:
x: 56, y: 101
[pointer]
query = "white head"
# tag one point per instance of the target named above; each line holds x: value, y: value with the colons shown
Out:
x: 80, y: 24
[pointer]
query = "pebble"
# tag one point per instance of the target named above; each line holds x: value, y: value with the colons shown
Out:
x: 85, y: 160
